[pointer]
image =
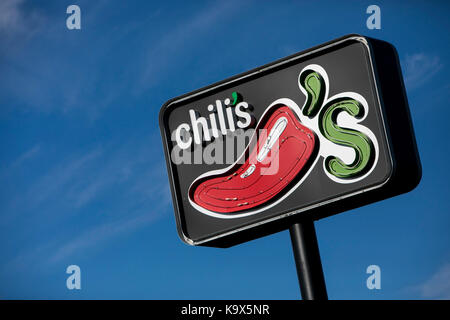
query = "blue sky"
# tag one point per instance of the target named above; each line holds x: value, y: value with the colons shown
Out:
x: 82, y: 172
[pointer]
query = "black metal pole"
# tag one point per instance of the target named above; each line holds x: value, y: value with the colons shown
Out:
x: 307, y: 261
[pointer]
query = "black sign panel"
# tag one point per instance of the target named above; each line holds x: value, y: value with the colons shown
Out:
x: 311, y: 135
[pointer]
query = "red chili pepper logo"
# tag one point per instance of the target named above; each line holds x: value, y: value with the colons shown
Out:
x: 285, y: 150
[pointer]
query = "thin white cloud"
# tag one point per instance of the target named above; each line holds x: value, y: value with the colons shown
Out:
x: 26, y: 156
x: 67, y: 88
x: 172, y: 46
x: 39, y: 78
x: 91, y: 239
x: 17, y: 24
x: 438, y: 285
x: 79, y: 179
x: 128, y: 182
x: 49, y: 190
x: 11, y: 17
x: 419, y: 68
x: 97, y: 235
x: 56, y: 182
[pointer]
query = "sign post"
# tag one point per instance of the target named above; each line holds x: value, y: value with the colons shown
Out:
x: 314, y: 134
x: 307, y: 261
